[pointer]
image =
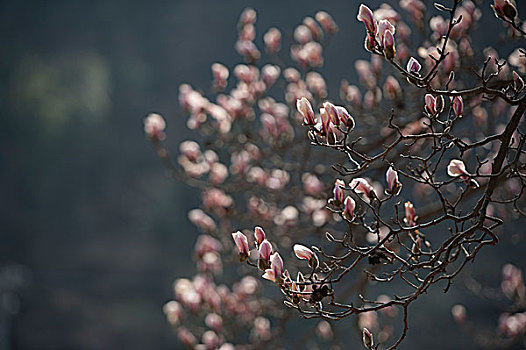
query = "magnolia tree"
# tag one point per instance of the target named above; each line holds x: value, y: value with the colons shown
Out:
x: 350, y: 206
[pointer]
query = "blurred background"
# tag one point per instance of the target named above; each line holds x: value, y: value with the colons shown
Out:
x: 92, y: 232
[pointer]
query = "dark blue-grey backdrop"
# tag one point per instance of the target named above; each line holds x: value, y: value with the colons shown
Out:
x: 88, y: 219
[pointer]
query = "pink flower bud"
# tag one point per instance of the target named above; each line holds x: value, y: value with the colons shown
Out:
x: 214, y: 321
x: 314, y: 28
x: 383, y: 27
x: 302, y: 252
x: 265, y: 250
x: 242, y: 243
x: 305, y: 108
x: 459, y: 314
x: 325, y: 120
x: 186, y: 337
x: 327, y: 22
x: 458, y: 105
x: 430, y: 104
x: 389, y: 45
x: 367, y: 338
x: 338, y: 191
x: 154, y: 126
x: 173, y: 311
x: 272, y: 39
x: 393, y: 185
x: 276, y: 264
x: 220, y: 74
x: 259, y: 235
x: 413, y: 66
x: 410, y: 215
x: 365, y: 15
x: 348, y: 210
x: 332, y: 112
x: 456, y: 168
x: 345, y: 117
x: 361, y: 186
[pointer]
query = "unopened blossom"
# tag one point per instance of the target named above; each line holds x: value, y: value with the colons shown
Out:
x: 413, y: 66
x: 392, y: 88
x: 410, y: 214
x: 302, y: 252
x: 349, y: 206
x: 389, y: 45
x: 265, y: 250
x: 269, y: 74
x: 200, y: 219
x: 305, y: 108
x: 365, y: 15
x: 458, y: 105
x: 345, y: 117
x: 314, y: 28
x: 186, y: 337
x: 302, y: 34
x: 276, y: 266
x: 367, y: 338
x: 272, y: 39
x: 220, y: 74
x: 332, y: 113
x: 361, y: 186
x: 173, y: 311
x: 383, y: 27
x: 154, y: 126
x: 242, y: 243
x: 325, y: 120
x: 259, y: 235
x: 393, y: 184
x: 430, y: 101
x: 338, y: 191
x: 327, y: 22
x: 456, y: 168
x: 210, y: 339
x: 459, y: 314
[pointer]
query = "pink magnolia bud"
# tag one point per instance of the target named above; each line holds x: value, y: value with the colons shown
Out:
x: 303, y: 252
x: 242, y: 243
x: 410, y: 214
x: 413, y: 66
x: 214, y: 321
x: 272, y: 39
x: 361, y: 186
x: 276, y: 264
x: 393, y: 185
x: 305, y: 108
x: 327, y: 22
x: 248, y: 16
x: 325, y: 120
x: 348, y: 210
x: 154, y: 126
x: 314, y: 28
x: 456, y: 168
x: 332, y: 112
x: 265, y: 250
x: 302, y: 34
x: 417, y: 245
x: 259, y: 235
x: 186, y: 337
x: 210, y: 339
x: 173, y: 311
x: 367, y: 338
x: 430, y: 104
x: 365, y: 15
x: 458, y: 105
x: 389, y: 45
x: 345, y: 117
x: 383, y: 27
x: 459, y: 314
x: 220, y: 74
x: 338, y: 191
x: 269, y: 74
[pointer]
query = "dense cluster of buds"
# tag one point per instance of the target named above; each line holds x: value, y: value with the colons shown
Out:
x: 334, y: 174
